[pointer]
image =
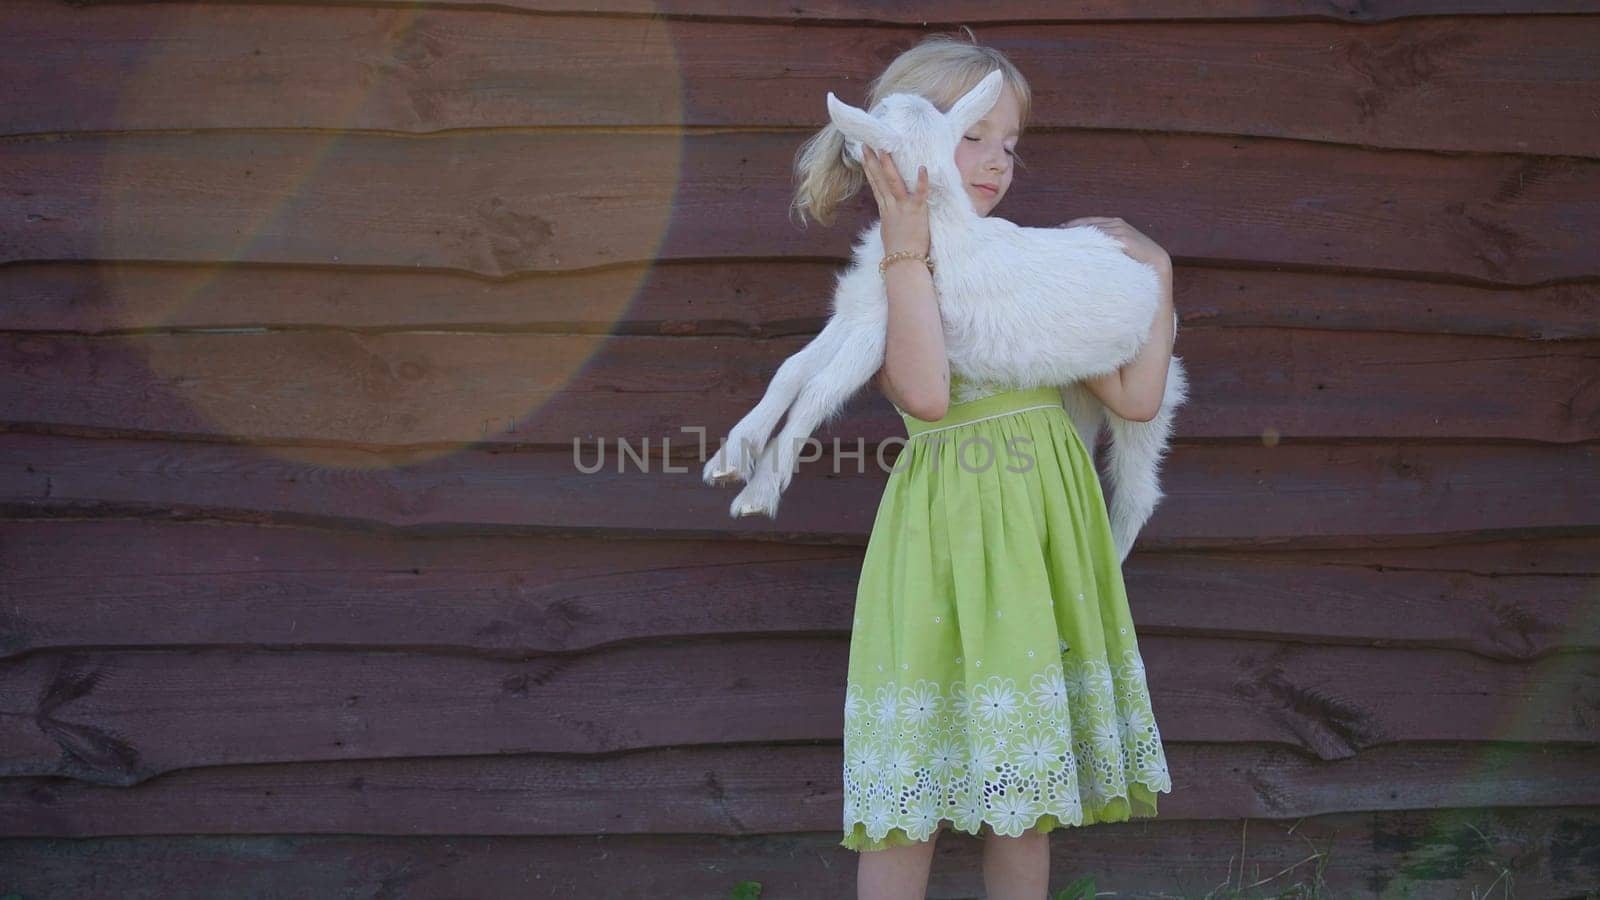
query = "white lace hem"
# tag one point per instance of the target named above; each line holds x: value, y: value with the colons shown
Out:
x: 992, y: 754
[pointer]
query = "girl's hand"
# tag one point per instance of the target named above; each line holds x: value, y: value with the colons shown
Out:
x: 1134, y: 243
x: 904, y: 214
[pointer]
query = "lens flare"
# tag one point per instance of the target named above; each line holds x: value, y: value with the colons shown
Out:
x: 371, y: 235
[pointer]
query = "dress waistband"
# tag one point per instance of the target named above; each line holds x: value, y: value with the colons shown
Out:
x: 989, y: 407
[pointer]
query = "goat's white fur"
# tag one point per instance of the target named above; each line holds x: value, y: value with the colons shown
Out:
x: 1022, y: 306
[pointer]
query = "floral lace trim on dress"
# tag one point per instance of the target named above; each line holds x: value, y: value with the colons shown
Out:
x: 999, y: 753
x: 963, y: 391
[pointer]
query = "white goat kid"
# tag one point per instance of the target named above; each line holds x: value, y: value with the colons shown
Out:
x: 1025, y: 307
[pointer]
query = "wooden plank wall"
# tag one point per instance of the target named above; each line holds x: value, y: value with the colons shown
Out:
x: 306, y: 303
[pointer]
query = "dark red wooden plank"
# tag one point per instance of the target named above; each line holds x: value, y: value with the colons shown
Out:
x: 760, y: 789
x: 1218, y: 496
x: 501, y: 203
x: 1426, y: 853
x: 430, y: 389
x: 990, y: 12
x: 152, y: 585
x: 1508, y: 83
x: 121, y: 717
x: 1484, y: 597
x: 750, y: 299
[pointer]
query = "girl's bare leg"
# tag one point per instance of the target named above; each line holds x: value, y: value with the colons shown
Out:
x: 898, y: 873
x: 1016, y: 868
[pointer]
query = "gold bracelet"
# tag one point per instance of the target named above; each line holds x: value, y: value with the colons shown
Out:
x: 883, y: 266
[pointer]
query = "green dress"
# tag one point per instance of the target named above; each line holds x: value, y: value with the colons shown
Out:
x: 994, y: 673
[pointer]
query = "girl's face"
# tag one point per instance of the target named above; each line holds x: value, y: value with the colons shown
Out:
x: 984, y: 154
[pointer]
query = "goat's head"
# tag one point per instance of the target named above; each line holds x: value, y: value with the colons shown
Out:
x: 918, y: 134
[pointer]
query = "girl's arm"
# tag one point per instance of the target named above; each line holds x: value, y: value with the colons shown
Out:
x: 916, y: 373
x: 1135, y: 391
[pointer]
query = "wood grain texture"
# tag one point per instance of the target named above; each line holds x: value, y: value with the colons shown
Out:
x: 122, y: 717
x: 1509, y: 83
x: 412, y: 389
x: 859, y: 12
x: 1284, y: 496
x: 500, y: 203
x: 754, y: 299
x: 747, y: 790
x: 1441, y: 853
x: 157, y: 585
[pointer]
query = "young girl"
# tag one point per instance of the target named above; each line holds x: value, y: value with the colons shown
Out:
x: 995, y: 683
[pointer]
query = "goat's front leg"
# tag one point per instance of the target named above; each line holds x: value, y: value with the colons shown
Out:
x: 820, y: 399
x: 736, y: 459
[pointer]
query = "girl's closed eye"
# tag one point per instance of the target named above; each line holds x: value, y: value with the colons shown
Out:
x: 1008, y: 149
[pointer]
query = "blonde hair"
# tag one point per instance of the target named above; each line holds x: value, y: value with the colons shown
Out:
x: 941, y: 68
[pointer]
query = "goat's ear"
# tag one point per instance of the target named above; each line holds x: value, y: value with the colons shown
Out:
x: 974, y: 104
x: 858, y: 127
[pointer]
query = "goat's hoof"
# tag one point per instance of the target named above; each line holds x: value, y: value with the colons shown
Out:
x: 722, y: 478
x: 744, y: 506
x: 719, y: 471
x: 757, y: 499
